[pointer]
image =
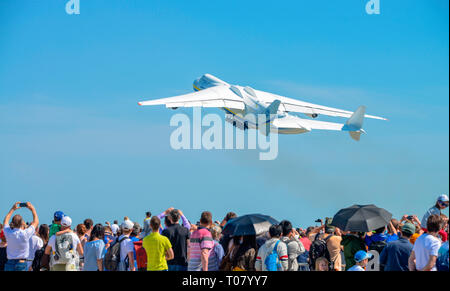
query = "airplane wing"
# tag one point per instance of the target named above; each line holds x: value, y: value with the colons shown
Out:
x: 293, y: 105
x: 218, y: 96
x: 353, y: 125
x: 307, y: 124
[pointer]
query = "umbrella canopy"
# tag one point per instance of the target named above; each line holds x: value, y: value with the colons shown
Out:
x: 361, y: 218
x: 250, y: 224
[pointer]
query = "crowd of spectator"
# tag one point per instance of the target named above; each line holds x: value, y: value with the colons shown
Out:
x: 170, y: 242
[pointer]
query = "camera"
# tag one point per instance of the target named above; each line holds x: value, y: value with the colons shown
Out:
x: 318, y: 220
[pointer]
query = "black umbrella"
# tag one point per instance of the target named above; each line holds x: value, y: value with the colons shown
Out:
x: 250, y: 224
x: 361, y: 218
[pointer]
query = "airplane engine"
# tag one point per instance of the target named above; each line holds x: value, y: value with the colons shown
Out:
x: 236, y: 122
x: 313, y: 115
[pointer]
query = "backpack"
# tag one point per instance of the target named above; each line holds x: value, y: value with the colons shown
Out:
x: 36, y: 264
x: 64, y: 247
x: 112, y: 256
x: 378, y: 246
x: 272, y: 263
x: 141, y: 256
x: 318, y: 249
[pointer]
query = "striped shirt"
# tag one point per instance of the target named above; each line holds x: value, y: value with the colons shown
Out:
x: 200, y: 239
x: 215, y: 257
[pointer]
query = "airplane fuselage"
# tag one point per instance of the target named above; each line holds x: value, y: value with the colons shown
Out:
x: 244, y: 119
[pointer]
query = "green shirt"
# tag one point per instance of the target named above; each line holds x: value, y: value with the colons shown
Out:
x: 54, y: 228
x: 156, y: 246
x: 352, y: 245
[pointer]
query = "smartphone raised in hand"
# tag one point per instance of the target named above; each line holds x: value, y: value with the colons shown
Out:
x: 24, y: 204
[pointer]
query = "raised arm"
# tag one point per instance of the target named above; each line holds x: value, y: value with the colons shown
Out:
x: 416, y: 219
x: 9, y: 214
x: 392, y: 230
x: 184, y: 220
x: 164, y: 213
x: 35, y: 222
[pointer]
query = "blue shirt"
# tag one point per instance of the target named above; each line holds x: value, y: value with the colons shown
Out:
x: 376, y: 237
x: 355, y: 268
x: 109, y: 239
x: 443, y: 257
x: 395, y: 255
x: 215, y: 257
x: 93, y: 251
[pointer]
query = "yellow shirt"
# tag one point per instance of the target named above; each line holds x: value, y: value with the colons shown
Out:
x: 156, y: 246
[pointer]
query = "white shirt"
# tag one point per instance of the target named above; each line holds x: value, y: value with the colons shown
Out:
x: 36, y: 243
x: 356, y: 268
x: 18, y: 242
x: 126, y: 246
x: 425, y: 246
x: 75, y: 239
x: 115, y: 228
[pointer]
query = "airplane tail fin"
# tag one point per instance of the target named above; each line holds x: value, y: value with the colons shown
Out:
x: 271, y: 111
x: 355, y: 122
x: 273, y: 107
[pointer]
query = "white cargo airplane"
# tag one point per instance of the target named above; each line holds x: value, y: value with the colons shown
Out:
x: 238, y: 101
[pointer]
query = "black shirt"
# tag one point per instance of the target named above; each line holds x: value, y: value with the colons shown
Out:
x: 178, y: 236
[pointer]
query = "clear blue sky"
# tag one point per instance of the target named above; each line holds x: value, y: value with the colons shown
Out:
x: 72, y: 137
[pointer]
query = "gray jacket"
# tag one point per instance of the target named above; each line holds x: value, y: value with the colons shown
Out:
x: 294, y: 249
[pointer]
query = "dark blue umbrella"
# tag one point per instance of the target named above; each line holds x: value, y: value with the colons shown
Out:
x: 250, y: 224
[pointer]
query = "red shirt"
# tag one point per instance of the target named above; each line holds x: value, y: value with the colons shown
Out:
x: 2, y: 236
x: 306, y: 243
x: 443, y: 235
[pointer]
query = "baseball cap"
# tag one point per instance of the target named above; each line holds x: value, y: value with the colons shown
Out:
x: 328, y: 226
x: 362, y: 255
x: 66, y: 221
x: 127, y: 224
x: 443, y: 198
x: 58, y: 215
x: 409, y: 228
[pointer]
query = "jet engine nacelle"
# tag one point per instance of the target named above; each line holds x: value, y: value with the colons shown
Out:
x: 236, y: 122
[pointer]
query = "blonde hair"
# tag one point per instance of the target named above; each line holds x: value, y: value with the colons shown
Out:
x: 321, y: 259
x: 216, y: 231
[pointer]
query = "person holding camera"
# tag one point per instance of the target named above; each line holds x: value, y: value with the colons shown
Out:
x: 18, y: 236
x: 295, y: 248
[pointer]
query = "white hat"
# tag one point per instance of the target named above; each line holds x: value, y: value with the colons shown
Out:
x: 114, y: 228
x: 127, y: 225
x: 66, y: 221
x: 443, y: 198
